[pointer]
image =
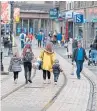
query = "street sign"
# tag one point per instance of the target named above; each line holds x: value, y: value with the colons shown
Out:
x: 94, y: 20
x: 79, y: 18
x: 53, y: 14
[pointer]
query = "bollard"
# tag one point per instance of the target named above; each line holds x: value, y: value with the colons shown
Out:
x: 2, y: 68
x: 10, y: 48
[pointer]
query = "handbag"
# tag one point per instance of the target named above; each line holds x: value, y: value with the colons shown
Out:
x: 72, y: 71
x: 10, y: 68
x: 41, y: 63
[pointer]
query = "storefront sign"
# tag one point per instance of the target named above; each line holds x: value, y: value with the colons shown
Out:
x: 94, y: 20
x: 17, y: 15
x: 5, y: 12
x: 53, y: 13
x: 69, y: 15
x: 79, y: 18
x: 60, y: 18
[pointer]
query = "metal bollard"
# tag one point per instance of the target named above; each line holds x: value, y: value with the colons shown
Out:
x: 2, y: 68
x: 10, y: 48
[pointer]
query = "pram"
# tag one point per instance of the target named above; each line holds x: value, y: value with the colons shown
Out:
x: 91, y: 58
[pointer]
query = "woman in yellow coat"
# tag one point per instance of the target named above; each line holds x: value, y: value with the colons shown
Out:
x: 48, y: 57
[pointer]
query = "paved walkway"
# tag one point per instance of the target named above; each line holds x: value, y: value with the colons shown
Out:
x: 75, y: 95
x: 35, y: 96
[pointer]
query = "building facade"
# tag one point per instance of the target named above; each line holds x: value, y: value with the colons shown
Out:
x: 33, y: 18
x: 88, y: 29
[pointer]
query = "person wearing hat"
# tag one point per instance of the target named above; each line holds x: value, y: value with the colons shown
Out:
x: 56, y: 70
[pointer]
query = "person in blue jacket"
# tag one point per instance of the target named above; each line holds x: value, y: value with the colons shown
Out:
x: 59, y: 38
x: 39, y: 38
x: 79, y: 55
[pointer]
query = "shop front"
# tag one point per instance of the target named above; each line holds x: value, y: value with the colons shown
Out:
x: 69, y: 24
x: 32, y: 26
x: 78, y: 26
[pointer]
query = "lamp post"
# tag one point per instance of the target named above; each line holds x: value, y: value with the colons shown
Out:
x: 1, y: 53
x: 11, y: 25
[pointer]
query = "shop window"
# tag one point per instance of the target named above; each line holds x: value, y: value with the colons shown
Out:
x: 78, y: 4
x: 42, y: 23
x: 25, y: 26
x: 18, y: 28
x: 30, y: 25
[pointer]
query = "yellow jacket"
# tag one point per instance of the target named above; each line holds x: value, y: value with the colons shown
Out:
x: 63, y: 38
x: 48, y: 59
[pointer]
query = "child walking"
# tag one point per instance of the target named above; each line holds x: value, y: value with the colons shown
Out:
x: 15, y: 66
x: 56, y: 70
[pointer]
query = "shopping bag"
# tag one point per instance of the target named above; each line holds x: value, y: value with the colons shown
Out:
x: 72, y: 70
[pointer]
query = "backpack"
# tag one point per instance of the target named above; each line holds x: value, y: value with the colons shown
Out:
x: 56, y: 69
x: 28, y: 57
x: 22, y: 36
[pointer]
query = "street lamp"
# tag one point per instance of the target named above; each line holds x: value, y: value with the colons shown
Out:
x: 11, y: 25
x: 1, y: 53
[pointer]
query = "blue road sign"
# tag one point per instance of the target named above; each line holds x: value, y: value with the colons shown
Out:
x: 79, y: 18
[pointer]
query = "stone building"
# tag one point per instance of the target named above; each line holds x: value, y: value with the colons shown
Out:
x: 87, y: 29
x: 33, y: 17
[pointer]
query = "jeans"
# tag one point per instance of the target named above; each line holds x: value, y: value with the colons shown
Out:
x: 79, y: 65
x: 46, y: 73
x: 22, y: 44
x: 44, y: 44
x: 15, y: 75
x: 39, y: 43
x: 56, y: 76
x: 27, y: 69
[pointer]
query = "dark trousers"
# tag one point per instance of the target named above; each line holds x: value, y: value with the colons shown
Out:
x: 79, y: 65
x: 22, y: 44
x: 56, y: 76
x: 15, y: 75
x: 39, y: 43
x: 27, y: 69
x: 46, y: 73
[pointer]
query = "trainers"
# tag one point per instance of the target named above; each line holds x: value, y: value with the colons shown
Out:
x: 44, y: 81
x: 26, y: 82
x: 55, y: 83
x: 49, y: 81
x: 30, y: 81
x: 15, y: 81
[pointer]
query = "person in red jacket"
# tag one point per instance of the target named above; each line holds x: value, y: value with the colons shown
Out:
x: 30, y: 36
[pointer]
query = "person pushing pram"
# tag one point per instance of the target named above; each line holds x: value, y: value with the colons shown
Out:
x: 92, y: 55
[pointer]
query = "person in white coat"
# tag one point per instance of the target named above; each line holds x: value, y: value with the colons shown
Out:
x: 69, y: 48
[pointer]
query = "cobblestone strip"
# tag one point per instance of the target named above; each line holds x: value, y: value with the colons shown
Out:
x: 92, y: 103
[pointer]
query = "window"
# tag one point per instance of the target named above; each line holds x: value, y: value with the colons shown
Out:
x: 95, y: 3
x: 92, y: 3
x: 70, y: 6
x: 78, y: 4
x: 81, y: 4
